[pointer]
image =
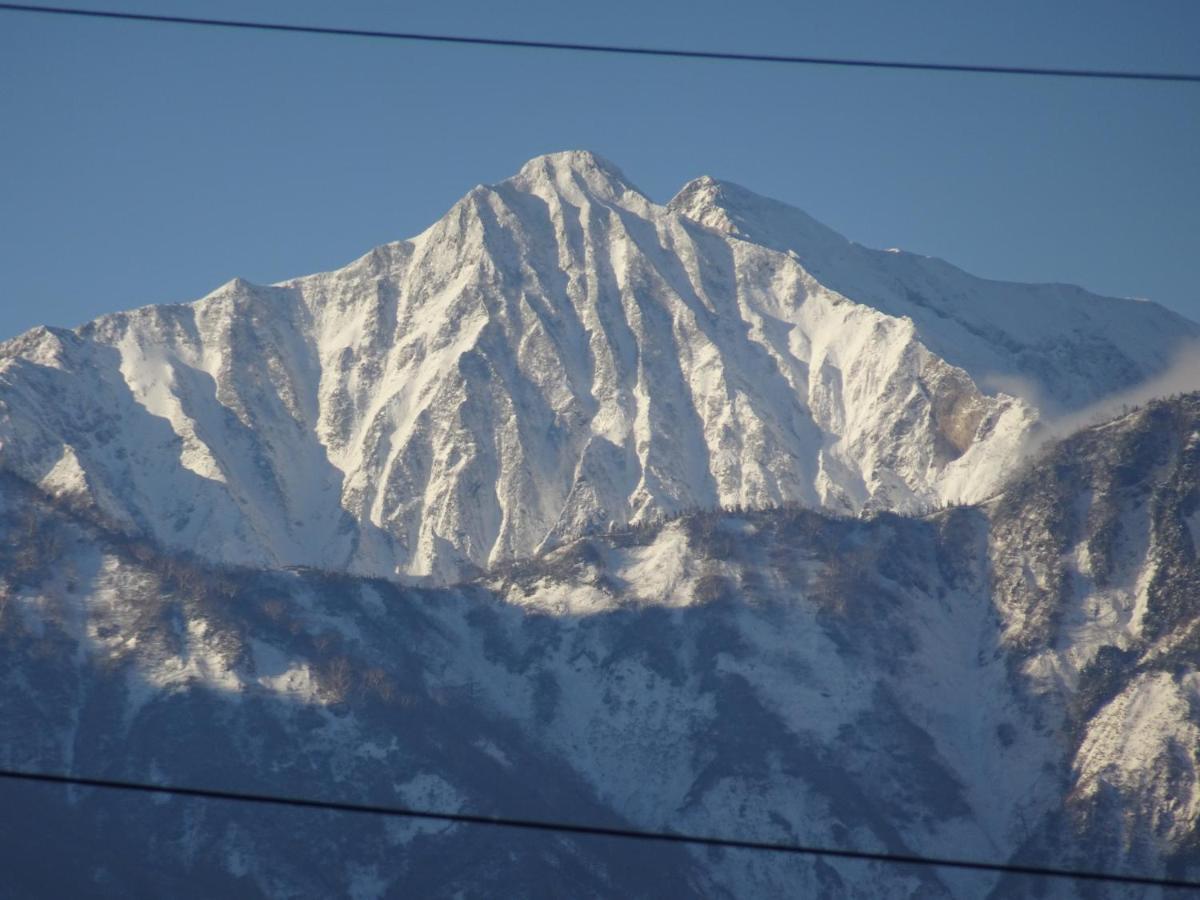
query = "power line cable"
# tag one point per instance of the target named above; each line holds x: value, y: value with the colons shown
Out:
x: 565, y: 827
x: 674, y: 837
x: 726, y: 56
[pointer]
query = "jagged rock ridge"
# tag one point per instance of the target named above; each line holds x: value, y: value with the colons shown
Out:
x: 557, y: 356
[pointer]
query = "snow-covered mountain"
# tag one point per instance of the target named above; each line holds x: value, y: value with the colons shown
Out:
x: 527, y: 388
x: 558, y: 355
x: 1013, y: 681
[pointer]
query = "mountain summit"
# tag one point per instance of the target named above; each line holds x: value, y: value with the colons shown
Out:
x: 558, y: 355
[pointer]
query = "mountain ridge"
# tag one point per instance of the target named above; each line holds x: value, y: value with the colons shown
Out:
x: 556, y: 355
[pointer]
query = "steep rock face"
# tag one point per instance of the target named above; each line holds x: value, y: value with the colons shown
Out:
x: 557, y: 355
x: 1056, y: 346
x: 1012, y: 681
x: 1097, y: 578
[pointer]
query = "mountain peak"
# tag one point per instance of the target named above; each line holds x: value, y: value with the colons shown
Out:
x: 739, y: 211
x: 578, y: 161
x: 706, y: 200
x: 571, y: 172
x: 708, y: 192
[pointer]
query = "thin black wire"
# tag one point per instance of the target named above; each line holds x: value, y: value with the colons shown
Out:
x: 605, y: 48
x: 595, y: 830
x: 566, y: 827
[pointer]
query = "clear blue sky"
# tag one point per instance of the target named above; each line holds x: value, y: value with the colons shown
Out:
x: 143, y: 163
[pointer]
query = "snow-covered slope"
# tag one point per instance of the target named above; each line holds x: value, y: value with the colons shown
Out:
x: 1056, y: 346
x: 1012, y: 681
x: 557, y: 355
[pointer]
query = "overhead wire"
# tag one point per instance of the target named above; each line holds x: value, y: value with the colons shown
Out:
x: 478, y: 819
x: 576, y: 828
x: 628, y: 50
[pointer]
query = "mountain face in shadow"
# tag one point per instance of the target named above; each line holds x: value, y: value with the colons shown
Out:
x: 1013, y: 681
